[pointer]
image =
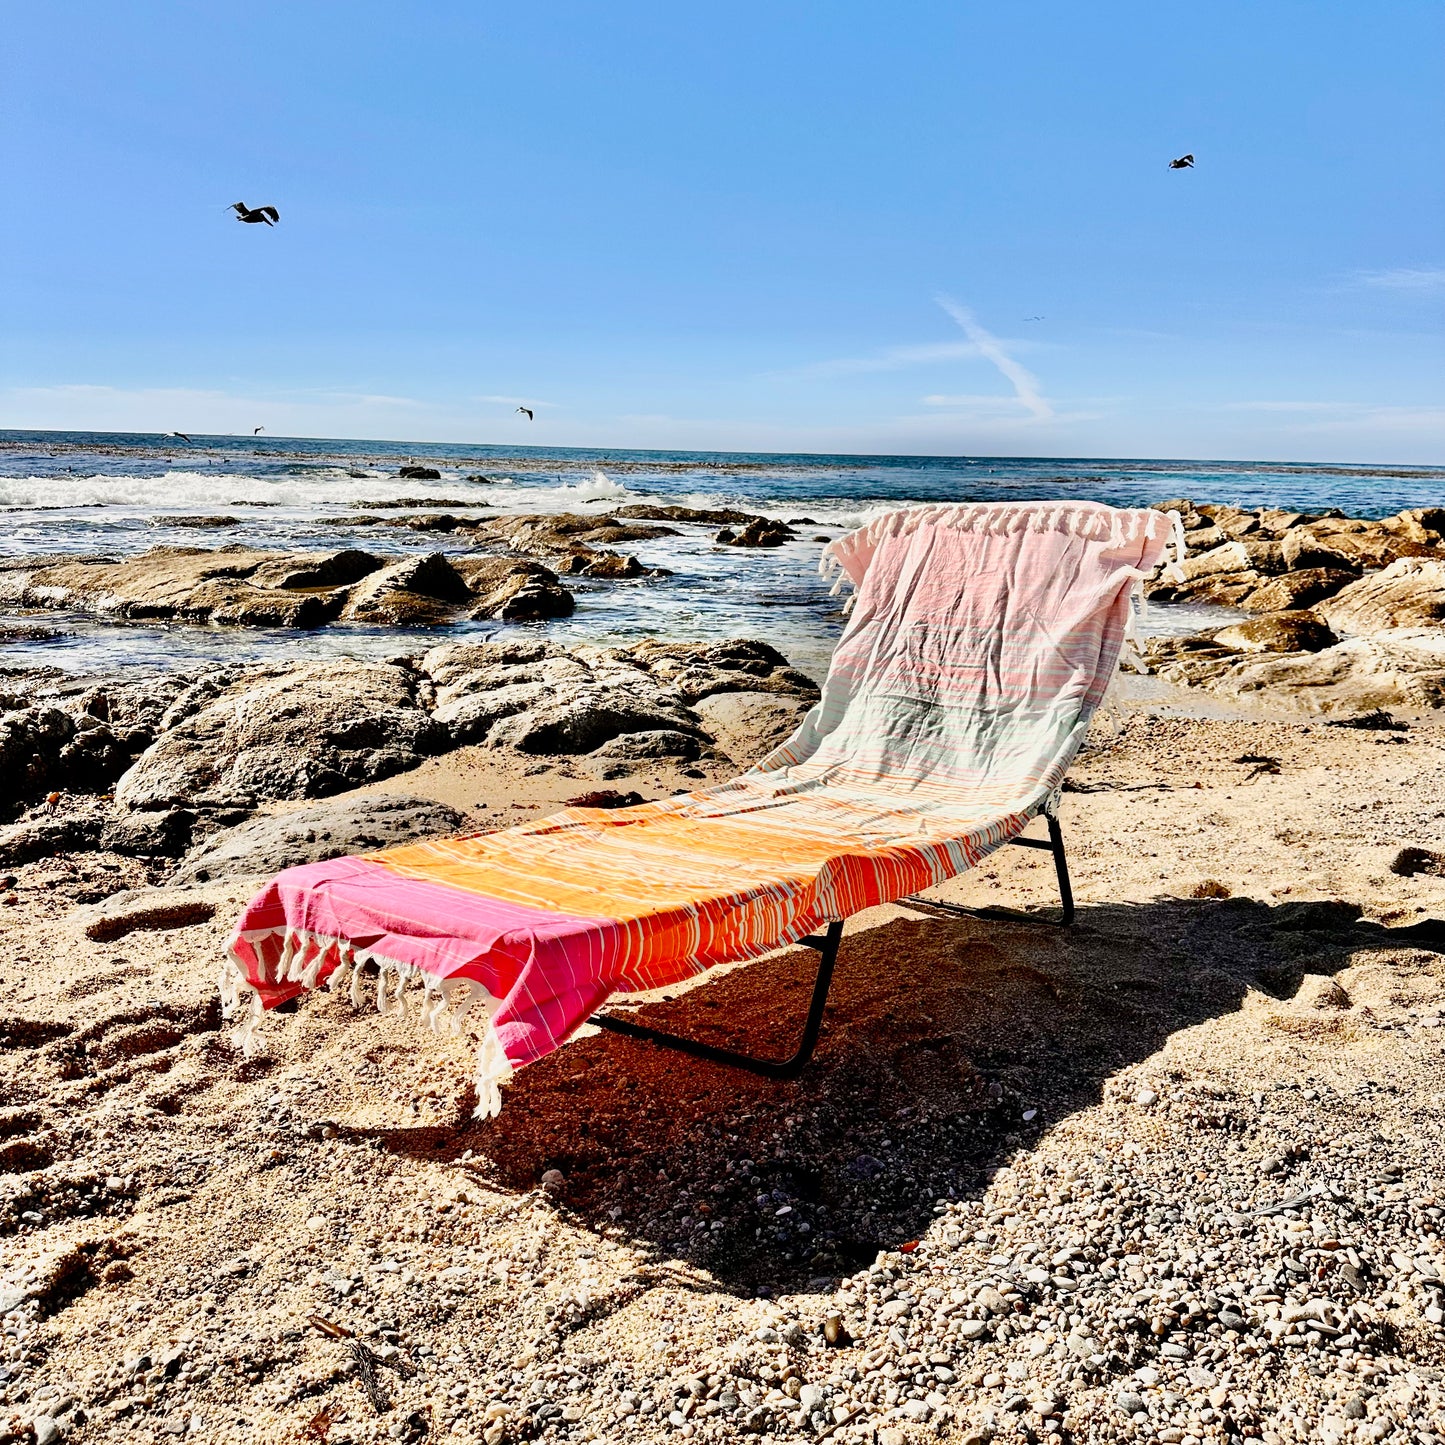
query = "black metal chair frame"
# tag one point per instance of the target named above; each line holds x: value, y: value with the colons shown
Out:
x: 827, y: 947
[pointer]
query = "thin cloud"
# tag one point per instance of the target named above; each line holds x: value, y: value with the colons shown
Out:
x: 516, y: 401
x: 1023, y: 381
x: 1341, y: 415
x: 892, y: 358
x: 1406, y: 278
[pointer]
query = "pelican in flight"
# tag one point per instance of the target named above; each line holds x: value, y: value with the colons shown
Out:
x: 180, y: 434
x: 269, y: 214
x: 257, y: 430
x: 1183, y: 163
x: 526, y: 412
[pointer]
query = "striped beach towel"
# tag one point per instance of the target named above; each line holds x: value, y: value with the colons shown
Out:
x: 982, y: 637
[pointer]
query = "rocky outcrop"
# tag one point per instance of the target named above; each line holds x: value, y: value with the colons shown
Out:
x: 760, y: 532
x: 1272, y: 560
x: 1396, y: 670
x: 419, y: 474
x: 238, y: 586
x: 1408, y: 593
x: 573, y: 543
x: 312, y: 834
x: 1301, y: 631
x: 307, y: 733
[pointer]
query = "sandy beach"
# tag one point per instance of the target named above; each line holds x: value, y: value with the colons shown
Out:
x: 1170, y: 1174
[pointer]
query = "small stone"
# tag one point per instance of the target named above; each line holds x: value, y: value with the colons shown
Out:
x: 47, y: 1432
x: 765, y: 1335
x: 891, y: 1435
x: 972, y: 1329
x: 809, y: 1398
x: 917, y: 1409
x: 1145, y: 1097
x: 1355, y: 1407
x: 553, y: 1179
x: 1129, y: 1403
x: 793, y: 1334
x: 834, y: 1331
x: 1147, y: 1376
x: 114, y: 1183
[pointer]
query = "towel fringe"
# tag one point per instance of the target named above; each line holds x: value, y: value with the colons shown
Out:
x: 445, y: 1005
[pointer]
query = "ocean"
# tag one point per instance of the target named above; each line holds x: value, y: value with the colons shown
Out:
x: 116, y: 495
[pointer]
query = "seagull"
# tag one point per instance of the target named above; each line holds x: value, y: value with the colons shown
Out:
x: 526, y: 412
x: 1033, y: 318
x: 180, y: 434
x: 1183, y: 163
x: 269, y: 214
x: 257, y: 430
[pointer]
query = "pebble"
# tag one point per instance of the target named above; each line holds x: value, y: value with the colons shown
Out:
x: 47, y: 1432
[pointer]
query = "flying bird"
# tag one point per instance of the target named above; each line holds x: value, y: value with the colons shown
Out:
x: 257, y: 430
x: 1034, y: 318
x: 269, y: 214
x: 1183, y: 163
x: 526, y: 412
x: 180, y: 434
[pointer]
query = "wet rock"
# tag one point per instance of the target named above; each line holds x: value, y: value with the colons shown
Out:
x: 307, y: 733
x: 362, y: 823
x: 706, y: 516
x: 419, y: 474
x: 317, y: 569
x: 1292, y: 591
x: 517, y: 591
x: 749, y: 725
x: 1409, y: 593
x: 171, y: 584
x: 567, y: 540
x: 1231, y: 557
x: 417, y: 592
x: 1300, y: 631
x: 197, y: 522
x: 760, y: 532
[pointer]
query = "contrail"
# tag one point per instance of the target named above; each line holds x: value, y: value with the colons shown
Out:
x: 1024, y: 382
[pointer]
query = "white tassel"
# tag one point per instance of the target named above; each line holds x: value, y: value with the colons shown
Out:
x: 493, y: 1070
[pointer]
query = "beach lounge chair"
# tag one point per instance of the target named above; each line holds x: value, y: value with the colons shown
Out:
x: 982, y: 638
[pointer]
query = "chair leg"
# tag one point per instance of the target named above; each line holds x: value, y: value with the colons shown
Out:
x: 790, y: 1068
x: 1054, y: 844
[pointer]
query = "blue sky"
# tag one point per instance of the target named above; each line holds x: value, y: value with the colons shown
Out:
x: 779, y: 226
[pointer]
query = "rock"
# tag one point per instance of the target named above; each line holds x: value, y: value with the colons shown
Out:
x: 1128, y: 1402
x: 605, y: 798
x: 1302, y: 549
x: 419, y: 591
x: 46, y: 1431
x: 44, y: 747
x: 514, y: 590
x: 419, y: 474
x: 34, y: 838
x: 141, y: 909
x: 664, y: 743
x: 1146, y: 1097
x: 972, y: 1329
x: 1298, y: 631
x: 197, y: 522
x: 305, y: 734
x: 706, y: 516
x: 583, y: 722
x: 363, y: 822
x: 320, y: 569
x: 1231, y: 557
x: 760, y: 532
x: 567, y: 538
x: 1291, y: 591
x: 1411, y: 861
x: 749, y: 725
x: 1409, y: 593
x: 1398, y: 669
x: 165, y: 834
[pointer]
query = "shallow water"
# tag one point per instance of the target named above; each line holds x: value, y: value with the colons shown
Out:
x: 83, y: 493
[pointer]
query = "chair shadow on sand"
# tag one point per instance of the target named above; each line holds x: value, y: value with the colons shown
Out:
x: 941, y: 1034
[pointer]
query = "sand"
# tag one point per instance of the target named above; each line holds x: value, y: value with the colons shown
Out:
x: 622, y: 1253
